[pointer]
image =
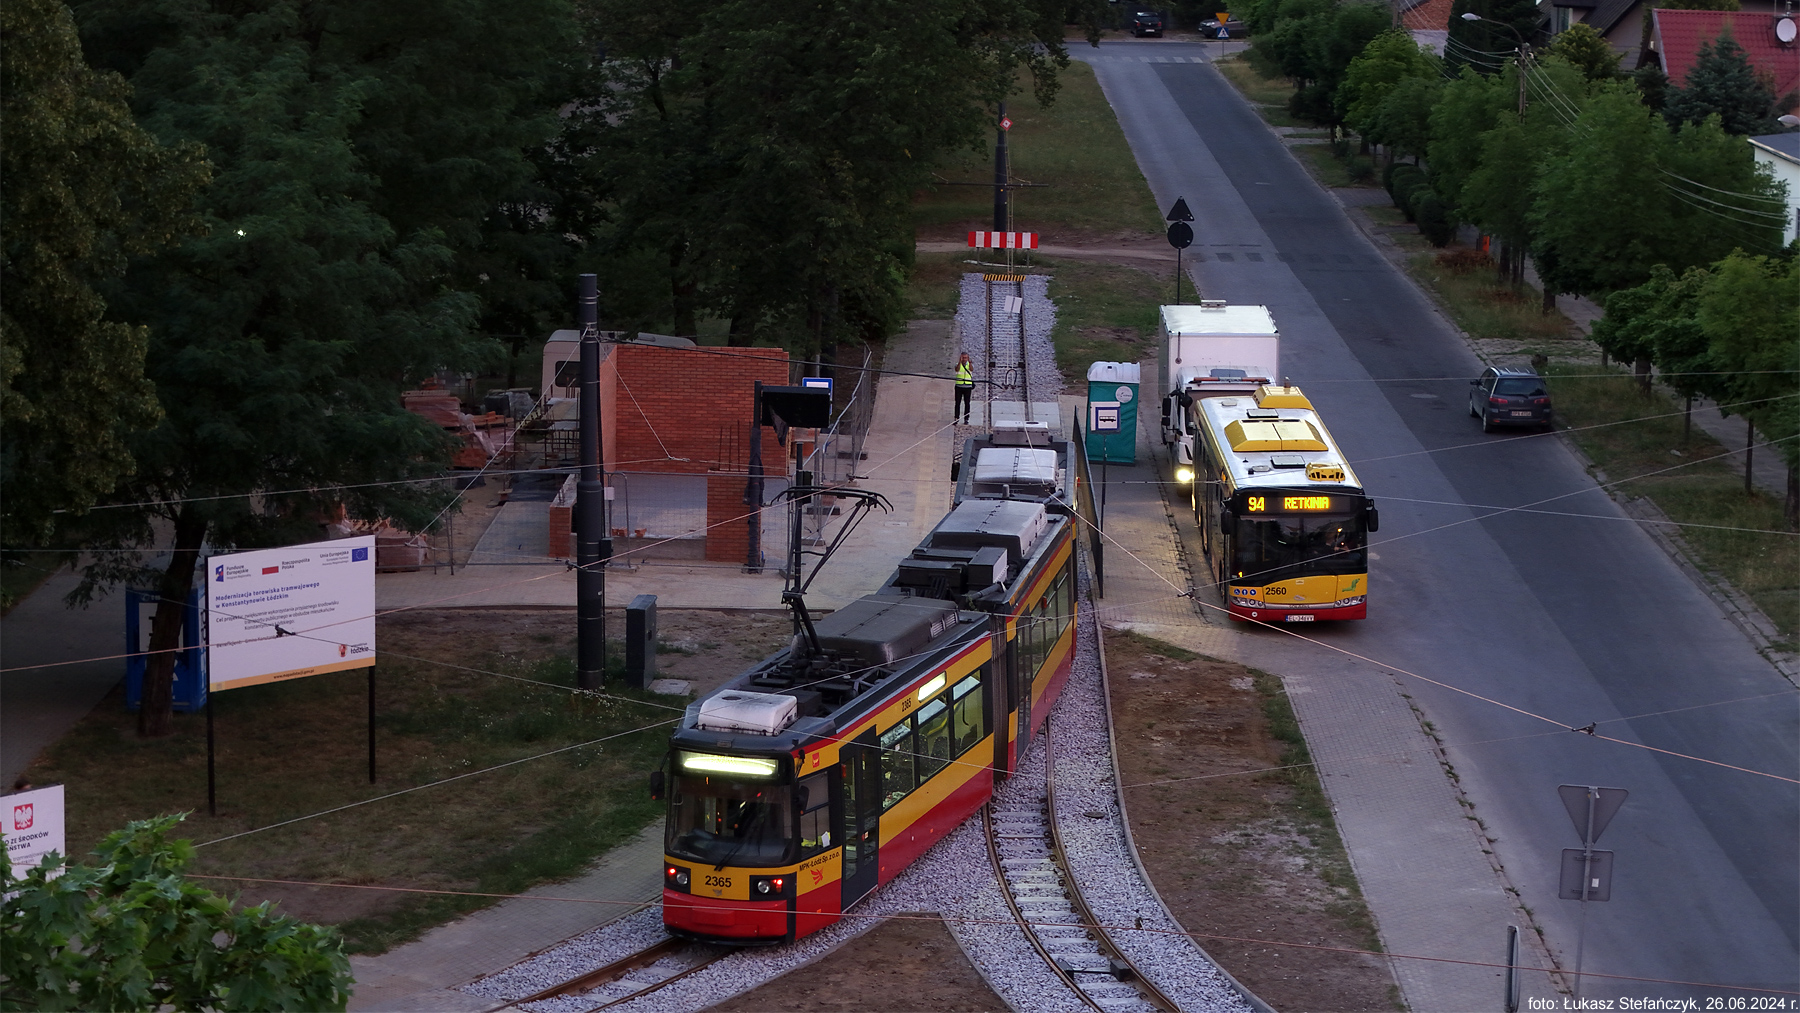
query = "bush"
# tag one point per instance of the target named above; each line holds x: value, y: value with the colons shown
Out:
x: 1397, y: 174
x: 1387, y: 174
x: 1405, y: 184
x: 1359, y: 169
x: 1434, y: 220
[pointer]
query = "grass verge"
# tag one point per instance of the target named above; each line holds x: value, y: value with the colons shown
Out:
x: 1641, y: 443
x: 1269, y: 95
x: 289, y: 750
x: 1075, y: 146
x: 1104, y: 313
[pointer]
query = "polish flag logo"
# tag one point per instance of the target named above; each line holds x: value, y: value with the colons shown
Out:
x: 24, y: 816
x: 271, y: 569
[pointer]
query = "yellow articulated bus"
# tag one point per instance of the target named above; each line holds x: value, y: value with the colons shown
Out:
x: 1282, y: 517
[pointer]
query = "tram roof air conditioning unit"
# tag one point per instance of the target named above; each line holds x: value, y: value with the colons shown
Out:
x: 754, y: 713
x: 1016, y: 466
x: 1020, y: 433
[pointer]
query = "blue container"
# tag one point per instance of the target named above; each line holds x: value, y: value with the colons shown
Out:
x: 190, y: 659
x: 1112, y: 412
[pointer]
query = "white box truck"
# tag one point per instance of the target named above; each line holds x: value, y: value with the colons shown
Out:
x: 1212, y: 350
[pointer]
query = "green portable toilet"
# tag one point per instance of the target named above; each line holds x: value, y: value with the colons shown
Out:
x: 1112, y: 412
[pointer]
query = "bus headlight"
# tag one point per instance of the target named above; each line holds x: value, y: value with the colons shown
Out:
x: 1184, y: 474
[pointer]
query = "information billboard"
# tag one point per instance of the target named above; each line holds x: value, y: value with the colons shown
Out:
x: 278, y: 614
x: 32, y: 822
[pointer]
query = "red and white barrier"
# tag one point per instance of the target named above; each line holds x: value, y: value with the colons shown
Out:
x: 1003, y: 240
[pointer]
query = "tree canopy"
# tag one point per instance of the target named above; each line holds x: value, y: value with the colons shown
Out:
x: 130, y: 932
x: 1389, y: 59
x: 86, y: 188
x: 1723, y: 83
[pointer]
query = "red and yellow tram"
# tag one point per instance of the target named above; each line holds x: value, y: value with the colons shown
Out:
x: 802, y: 785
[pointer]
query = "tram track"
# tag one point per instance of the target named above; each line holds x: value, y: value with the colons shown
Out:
x: 1025, y: 848
x: 632, y: 976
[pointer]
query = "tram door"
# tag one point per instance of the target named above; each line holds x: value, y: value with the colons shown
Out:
x: 1001, y: 687
x: 1017, y: 665
x: 862, y: 817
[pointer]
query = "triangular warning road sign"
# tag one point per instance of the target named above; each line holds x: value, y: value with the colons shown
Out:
x: 1180, y: 212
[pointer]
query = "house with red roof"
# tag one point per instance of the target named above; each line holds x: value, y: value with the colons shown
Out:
x: 1678, y: 36
x: 1621, y: 23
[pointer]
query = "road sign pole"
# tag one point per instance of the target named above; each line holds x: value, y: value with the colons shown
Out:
x: 1512, y: 969
x: 1587, y: 877
x: 1178, y: 276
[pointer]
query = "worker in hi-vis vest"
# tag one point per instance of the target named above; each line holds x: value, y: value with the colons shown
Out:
x: 965, y: 385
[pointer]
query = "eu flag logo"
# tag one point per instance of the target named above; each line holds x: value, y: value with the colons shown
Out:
x: 358, y: 555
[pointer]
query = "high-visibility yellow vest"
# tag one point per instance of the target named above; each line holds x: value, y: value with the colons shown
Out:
x: 965, y: 374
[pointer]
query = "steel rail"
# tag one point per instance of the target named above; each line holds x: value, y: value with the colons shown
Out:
x: 987, y: 819
x: 1108, y: 948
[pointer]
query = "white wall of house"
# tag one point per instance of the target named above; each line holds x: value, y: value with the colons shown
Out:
x: 1786, y: 169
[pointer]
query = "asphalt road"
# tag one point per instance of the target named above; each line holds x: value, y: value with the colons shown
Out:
x: 1575, y: 614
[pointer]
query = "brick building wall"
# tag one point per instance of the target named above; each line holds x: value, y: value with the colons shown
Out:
x: 687, y: 411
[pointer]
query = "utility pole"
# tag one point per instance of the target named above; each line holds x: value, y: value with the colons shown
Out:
x: 590, y: 502
x: 1002, y: 208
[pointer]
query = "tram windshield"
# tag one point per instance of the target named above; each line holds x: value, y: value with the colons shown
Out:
x: 722, y: 822
x: 1300, y: 545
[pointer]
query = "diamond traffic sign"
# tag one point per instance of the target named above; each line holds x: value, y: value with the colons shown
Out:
x: 1606, y: 805
x: 1005, y: 123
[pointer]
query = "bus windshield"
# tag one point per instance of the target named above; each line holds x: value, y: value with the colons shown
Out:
x: 1300, y: 545
x: 721, y: 822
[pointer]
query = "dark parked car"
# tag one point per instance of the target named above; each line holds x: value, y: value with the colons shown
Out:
x: 1505, y: 396
x: 1233, y: 29
x: 1147, y: 23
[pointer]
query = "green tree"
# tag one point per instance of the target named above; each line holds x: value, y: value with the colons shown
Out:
x: 85, y: 189
x: 1466, y: 108
x: 281, y: 339
x: 1486, y: 43
x: 1402, y: 121
x: 762, y: 155
x: 1628, y: 194
x: 1748, y: 312
x: 1496, y: 196
x: 1722, y: 82
x: 129, y: 932
x: 1588, y: 51
x: 1375, y: 73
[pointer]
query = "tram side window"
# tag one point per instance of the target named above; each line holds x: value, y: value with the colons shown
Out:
x: 815, y: 816
x: 933, y: 738
x: 968, y: 724
x: 898, y: 767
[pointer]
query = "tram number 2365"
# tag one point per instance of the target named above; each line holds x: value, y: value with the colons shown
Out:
x: 724, y: 881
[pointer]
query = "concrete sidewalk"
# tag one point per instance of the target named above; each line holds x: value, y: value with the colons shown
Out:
x: 423, y: 974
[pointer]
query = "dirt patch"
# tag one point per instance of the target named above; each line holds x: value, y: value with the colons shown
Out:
x: 911, y: 956
x: 1251, y: 856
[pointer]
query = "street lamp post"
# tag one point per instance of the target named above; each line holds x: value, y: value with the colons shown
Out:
x: 1524, y: 51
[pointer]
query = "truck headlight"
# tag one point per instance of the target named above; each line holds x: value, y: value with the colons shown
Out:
x: 1184, y: 474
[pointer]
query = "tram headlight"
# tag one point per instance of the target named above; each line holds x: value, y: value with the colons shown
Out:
x: 676, y: 876
x: 762, y: 886
x: 768, y: 886
x: 1184, y: 474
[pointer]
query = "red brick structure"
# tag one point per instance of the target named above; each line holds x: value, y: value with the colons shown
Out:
x: 688, y: 411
